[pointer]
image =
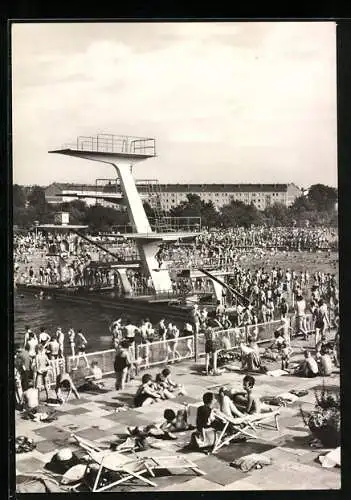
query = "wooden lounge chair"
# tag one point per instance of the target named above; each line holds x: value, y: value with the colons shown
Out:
x: 243, y: 426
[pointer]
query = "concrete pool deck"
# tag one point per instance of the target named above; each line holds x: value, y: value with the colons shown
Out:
x: 294, y: 464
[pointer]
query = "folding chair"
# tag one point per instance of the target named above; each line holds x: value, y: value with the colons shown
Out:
x: 111, y: 465
x: 246, y: 426
x: 172, y: 462
x: 122, y: 465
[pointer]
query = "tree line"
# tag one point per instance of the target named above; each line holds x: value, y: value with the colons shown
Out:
x: 317, y: 208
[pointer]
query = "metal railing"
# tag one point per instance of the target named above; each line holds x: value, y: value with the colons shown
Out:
x: 56, y: 367
x: 105, y: 360
x: 161, y: 352
x: 110, y: 143
x: 169, y: 224
x: 164, y: 351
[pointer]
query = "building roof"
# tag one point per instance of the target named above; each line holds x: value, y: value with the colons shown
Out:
x: 224, y: 188
x: 181, y: 188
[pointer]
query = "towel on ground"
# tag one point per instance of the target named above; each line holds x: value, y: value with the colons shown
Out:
x: 277, y: 373
x: 299, y: 394
x: 288, y: 396
x: 251, y: 461
x: 331, y: 459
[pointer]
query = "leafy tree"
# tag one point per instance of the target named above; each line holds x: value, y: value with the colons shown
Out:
x: 210, y: 217
x: 19, y: 197
x: 100, y: 218
x: 36, y: 197
x: 322, y: 197
x: 195, y: 207
x: 277, y: 215
x: 189, y: 208
x: 238, y: 213
x: 150, y: 212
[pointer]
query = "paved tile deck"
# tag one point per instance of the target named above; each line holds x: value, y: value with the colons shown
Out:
x: 94, y: 417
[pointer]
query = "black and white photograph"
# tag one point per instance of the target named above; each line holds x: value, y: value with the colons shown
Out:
x: 175, y: 256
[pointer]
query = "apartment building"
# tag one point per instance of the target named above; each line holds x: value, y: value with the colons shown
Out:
x: 167, y: 196
x: 261, y: 195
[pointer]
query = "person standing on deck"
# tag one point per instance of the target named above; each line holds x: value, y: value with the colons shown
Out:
x: 32, y: 344
x: 196, y: 318
x: 82, y: 344
x: 42, y: 364
x: 44, y: 337
x: 322, y: 320
x: 60, y: 339
x: 129, y: 332
x: 122, y: 364
x: 27, y: 335
x: 71, y: 338
x: 300, y: 308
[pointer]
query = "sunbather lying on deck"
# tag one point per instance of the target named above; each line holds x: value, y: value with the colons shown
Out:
x: 172, y: 423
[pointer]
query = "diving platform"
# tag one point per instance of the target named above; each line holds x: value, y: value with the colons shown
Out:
x: 67, y: 227
x: 153, y: 236
x: 111, y: 197
x: 196, y: 273
x: 122, y: 152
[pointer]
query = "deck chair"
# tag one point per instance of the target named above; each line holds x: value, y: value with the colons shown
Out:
x: 113, y: 468
x: 243, y: 426
x: 135, y: 467
x: 172, y: 462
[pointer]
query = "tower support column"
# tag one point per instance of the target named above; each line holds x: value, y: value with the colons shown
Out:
x: 160, y: 277
x: 132, y: 199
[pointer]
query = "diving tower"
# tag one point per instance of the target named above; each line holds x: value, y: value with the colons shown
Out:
x: 123, y: 152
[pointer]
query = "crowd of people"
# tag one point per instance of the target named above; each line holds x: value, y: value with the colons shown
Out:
x: 254, y: 296
x: 43, y: 354
x: 65, y: 258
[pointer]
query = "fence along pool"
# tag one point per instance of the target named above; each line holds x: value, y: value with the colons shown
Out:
x: 164, y: 351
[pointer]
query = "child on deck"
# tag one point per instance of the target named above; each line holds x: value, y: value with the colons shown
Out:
x: 166, y: 386
x: 308, y: 368
x: 207, y: 424
x: 146, y: 393
x: 275, y: 349
x: 324, y: 361
x: 64, y: 381
x: 94, y: 379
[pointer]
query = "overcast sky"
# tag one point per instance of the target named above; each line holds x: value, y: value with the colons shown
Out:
x: 226, y: 102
